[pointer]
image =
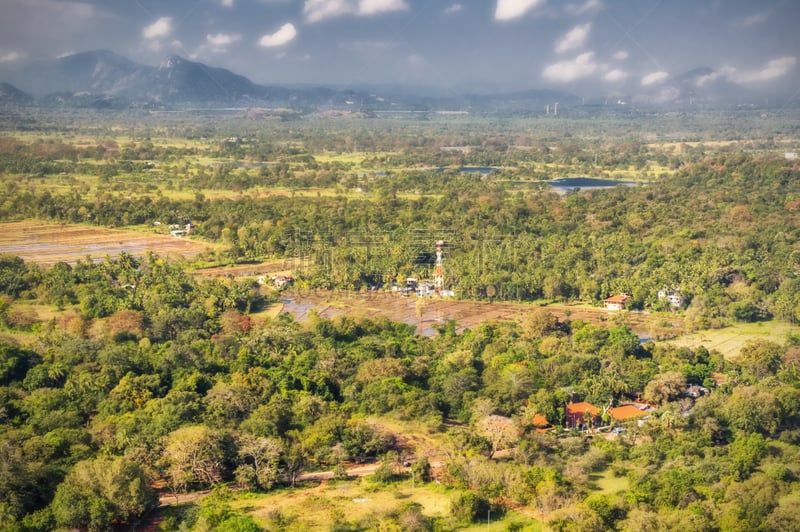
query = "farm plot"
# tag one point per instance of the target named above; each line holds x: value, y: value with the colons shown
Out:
x: 44, y: 243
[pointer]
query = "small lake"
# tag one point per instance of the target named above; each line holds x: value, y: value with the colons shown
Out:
x: 566, y: 184
x: 483, y: 170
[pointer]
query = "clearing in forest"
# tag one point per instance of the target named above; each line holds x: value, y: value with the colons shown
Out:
x: 43, y: 243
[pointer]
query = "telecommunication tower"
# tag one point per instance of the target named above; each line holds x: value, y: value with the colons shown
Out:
x: 438, y: 276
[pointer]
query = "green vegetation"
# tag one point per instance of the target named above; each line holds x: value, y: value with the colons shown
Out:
x: 130, y: 378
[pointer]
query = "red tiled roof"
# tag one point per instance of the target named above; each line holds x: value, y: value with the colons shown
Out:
x: 539, y: 421
x: 582, y: 408
x: 619, y: 298
x: 624, y: 412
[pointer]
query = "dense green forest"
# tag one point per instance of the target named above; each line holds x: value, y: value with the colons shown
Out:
x: 148, y: 381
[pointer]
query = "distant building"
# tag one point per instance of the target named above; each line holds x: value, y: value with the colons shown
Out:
x: 616, y: 302
x: 582, y: 415
x: 281, y: 281
x: 791, y: 155
x: 673, y: 297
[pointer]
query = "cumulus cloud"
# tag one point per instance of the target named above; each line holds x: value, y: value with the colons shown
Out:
x: 227, y: 3
x: 586, y: 7
x: 722, y: 73
x: 10, y: 57
x: 160, y: 28
x: 455, y: 8
x: 566, y: 71
x: 654, y: 78
x: 574, y: 38
x: 616, y: 75
x: 222, y: 39
x: 511, y: 9
x: 621, y: 55
x: 775, y: 68
x: 285, y: 34
x: 374, y: 7
x: 317, y: 10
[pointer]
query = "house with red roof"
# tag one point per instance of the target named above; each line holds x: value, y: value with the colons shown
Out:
x: 616, y: 302
x: 582, y: 415
x: 621, y: 414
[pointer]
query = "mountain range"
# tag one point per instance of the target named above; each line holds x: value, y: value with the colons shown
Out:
x: 104, y: 79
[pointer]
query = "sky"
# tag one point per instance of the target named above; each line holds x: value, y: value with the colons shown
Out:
x: 464, y: 45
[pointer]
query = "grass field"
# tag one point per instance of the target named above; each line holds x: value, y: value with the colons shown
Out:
x: 315, y: 508
x: 730, y: 340
x: 44, y: 243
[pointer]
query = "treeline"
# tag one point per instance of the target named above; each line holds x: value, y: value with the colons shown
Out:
x: 165, y: 379
x: 721, y: 232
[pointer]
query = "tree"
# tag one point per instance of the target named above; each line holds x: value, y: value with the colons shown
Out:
x: 260, y: 459
x: 194, y: 455
x: 664, y: 387
x: 499, y: 430
x: 100, y: 491
x: 760, y: 358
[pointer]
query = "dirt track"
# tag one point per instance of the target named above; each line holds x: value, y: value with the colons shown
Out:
x: 467, y: 314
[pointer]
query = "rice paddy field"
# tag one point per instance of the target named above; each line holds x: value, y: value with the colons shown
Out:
x: 45, y: 243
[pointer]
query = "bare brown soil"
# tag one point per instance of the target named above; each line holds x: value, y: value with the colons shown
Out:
x: 44, y: 243
x: 436, y: 311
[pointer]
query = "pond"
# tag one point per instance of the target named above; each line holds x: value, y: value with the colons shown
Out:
x: 566, y: 184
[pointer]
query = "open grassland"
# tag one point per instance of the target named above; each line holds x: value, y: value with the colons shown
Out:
x: 317, y: 507
x: 362, y: 501
x: 44, y: 243
x: 730, y: 340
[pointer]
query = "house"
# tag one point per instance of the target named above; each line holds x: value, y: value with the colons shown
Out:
x: 673, y: 297
x: 582, y: 415
x: 282, y: 280
x: 616, y: 302
x: 621, y: 414
x: 425, y: 289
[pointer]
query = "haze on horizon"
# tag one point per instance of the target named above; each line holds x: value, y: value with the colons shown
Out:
x: 599, y: 46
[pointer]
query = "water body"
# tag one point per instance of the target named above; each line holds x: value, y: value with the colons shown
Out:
x: 483, y: 170
x: 566, y: 184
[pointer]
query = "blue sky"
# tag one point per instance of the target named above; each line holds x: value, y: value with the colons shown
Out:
x: 606, y: 45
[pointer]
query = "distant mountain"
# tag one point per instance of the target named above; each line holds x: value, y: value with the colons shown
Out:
x: 103, y: 79
x: 9, y: 94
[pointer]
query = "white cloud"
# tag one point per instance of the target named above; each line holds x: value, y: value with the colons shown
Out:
x: 222, y: 39
x: 285, y: 34
x: 616, y: 75
x: 723, y: 73
x: 775, y: 68
x: 654, y: 78
x: 160, y: 28
x: 374, y: 7
x: 586, y: 7
x: 227, y: 3
x: 317, y: 10
x: 574, y: 38
x: 511, y: 9
x: 566, y: 71
x: 10, y: 57
x: 754, y: 19
x: 455, y: 8
x: 621, y: 55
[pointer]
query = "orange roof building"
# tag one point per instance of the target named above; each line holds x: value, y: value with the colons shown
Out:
x: 616, y: 302
x: 625, y: 413
x: 581, y: 415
